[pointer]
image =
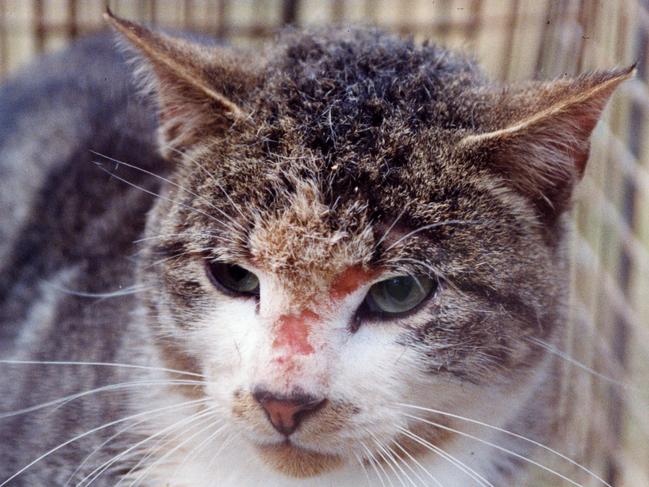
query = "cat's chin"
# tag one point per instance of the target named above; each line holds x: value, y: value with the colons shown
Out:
x: 297, y: 462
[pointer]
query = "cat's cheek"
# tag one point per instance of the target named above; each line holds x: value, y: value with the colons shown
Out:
x: 374, y: 372
x: 218, y: 337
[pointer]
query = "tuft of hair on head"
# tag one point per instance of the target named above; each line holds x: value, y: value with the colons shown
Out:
x: 543, y: 142
x: 200, y: 89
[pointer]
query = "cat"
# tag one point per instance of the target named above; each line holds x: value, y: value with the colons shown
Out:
x: 327, y: 263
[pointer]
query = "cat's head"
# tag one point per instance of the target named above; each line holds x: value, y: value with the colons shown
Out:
x: 358, y: 225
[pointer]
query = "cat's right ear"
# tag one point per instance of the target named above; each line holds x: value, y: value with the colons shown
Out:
x: 200, y: 89
x: 541, y: 143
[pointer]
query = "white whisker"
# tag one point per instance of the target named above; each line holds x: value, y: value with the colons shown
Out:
x: 225, y: 443
x: 105, y: 295
x: 97, y: 472
x: 429, y: 227
x: 374, y: 462
x: 205, y: 419
x: 396, y: 220
x: 101, y: 364
x: 498, y: 447
x: 514, y: 435
x: 470, y: 472
x: 552, y: 349
x: 181, y: 234
x: 388, y: 460
x: 202, y: 198
x: 362, y: 465
x: 211, y: 176
x: 403, y: 461
x: 200, y: 447
x: 153, y: 193
x: 103, y: 444
x: 87, y: 433
x: 416, y: 462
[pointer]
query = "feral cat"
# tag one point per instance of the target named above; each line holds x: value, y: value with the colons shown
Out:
x: 336, y: 272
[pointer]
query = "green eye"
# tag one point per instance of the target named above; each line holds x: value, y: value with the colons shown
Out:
x: 233, y: 279
x: 399, y: 294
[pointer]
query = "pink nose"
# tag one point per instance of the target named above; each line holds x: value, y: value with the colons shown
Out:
x: 286, y: 413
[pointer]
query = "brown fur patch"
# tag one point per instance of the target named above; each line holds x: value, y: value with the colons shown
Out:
x: 244, y: 406
x: 297, y: 462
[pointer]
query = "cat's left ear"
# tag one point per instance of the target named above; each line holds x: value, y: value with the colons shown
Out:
x: 544, y: 143
x: 200, y: 89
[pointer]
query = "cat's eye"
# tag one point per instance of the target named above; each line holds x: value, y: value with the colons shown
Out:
x: 399, y: 294
x: 233, y: 279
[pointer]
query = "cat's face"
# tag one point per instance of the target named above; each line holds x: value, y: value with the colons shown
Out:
x: 362, y: 230
x: 324, y: 315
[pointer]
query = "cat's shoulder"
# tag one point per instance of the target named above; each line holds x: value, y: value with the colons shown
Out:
x: 64, y: 121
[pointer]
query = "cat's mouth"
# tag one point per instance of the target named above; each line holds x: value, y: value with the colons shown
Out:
x: 295, y: 461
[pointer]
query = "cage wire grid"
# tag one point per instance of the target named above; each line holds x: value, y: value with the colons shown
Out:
x: 608, y: 358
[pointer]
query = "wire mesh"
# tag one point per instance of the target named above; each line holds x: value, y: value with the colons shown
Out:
x: 513, y: 39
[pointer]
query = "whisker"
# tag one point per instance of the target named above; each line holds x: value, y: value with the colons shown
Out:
x: 181, y: 234
x: 127, y: 385
x: 225, y: 443
x: 374, y: 462
x: 99, y: 471
x: 202, y: 198
x: 405, y: 463
x: 110, y: 294
x: 197, y: 252
x: 89, y: 432
x: 362, y: 465
x: 514, y: 435
x: 434, y: 272
x: 66, y: 399
x: 431, y: 226
x: 198, y: 448
x: 153, y: 193
x: 101, y: 364
x: 388, y: 460
x: 103, y: 444
x: 498, y: 447
x: 211, y: 176
x: 205, y: 419
x: 416, y: 462
x: 552, y: 349
x: 396, y: 220
x: 470, y: 472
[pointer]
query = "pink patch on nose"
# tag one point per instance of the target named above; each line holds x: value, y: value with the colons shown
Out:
x: 293, y: 332
x: 349, y: 281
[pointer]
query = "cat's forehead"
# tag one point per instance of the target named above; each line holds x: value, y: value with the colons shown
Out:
x: 309, y: 215
x: 364, y: 94
x: 309, y: 239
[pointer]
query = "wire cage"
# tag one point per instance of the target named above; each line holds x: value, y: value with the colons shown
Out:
x: 608, y: 356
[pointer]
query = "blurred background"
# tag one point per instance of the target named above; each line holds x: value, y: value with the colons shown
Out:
x: 608, y: 354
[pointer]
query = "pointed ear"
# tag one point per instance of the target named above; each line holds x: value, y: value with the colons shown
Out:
x: 543, y: 147
x: 200, y: 90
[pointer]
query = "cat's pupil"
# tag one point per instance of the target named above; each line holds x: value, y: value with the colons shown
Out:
x: 399, y: 288
x: 237, y: 273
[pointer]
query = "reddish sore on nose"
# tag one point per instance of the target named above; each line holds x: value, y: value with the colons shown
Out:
x: 292, y: 332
